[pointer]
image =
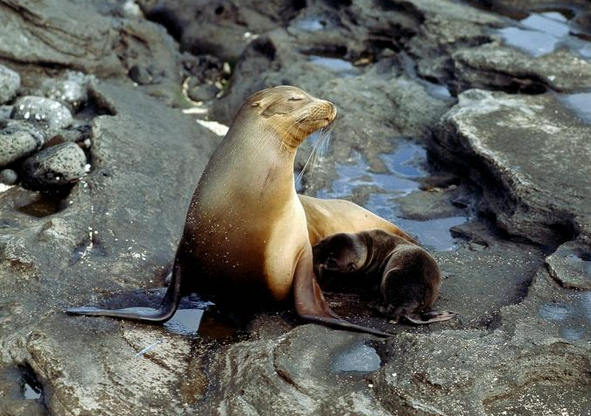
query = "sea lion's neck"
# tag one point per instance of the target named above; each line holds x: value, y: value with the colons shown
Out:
x: 251, y: 164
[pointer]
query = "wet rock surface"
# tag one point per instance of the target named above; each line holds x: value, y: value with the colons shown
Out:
x: 448, y: 126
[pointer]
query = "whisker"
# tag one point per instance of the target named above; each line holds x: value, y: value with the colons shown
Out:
x: 318, y: 149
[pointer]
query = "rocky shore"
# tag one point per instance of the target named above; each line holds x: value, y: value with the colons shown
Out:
x: 468, y: 124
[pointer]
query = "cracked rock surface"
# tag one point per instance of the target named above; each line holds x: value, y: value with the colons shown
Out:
x: 447, y: 127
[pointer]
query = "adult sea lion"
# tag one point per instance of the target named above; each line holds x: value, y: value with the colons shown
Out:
x: 326, y: 217
x: 245, y: 237
x: 408, y: 275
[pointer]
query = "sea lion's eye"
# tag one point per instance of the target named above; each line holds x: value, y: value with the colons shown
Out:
x: 295, y: 98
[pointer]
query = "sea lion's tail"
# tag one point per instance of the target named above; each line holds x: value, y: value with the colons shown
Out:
x: 429, y: 317
x: 167, y: 308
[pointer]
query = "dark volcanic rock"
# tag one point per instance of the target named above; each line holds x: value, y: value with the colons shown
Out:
x: 221, y: 28
x: 10, y: 82
x: 55, y: 166
x: 570, y: 266
x: 111, y: 232
x: 496, y: 67
x: 78, y: 37
x: 17, y: 141
x: 521, y: 151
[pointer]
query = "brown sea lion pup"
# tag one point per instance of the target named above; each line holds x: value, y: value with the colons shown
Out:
x: 408, y: 276
x: 245, y: 238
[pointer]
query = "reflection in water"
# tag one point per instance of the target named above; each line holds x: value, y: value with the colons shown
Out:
x: 580, y: 103
x: 573, y: 318
x: 31, y: 392
x: 185, y: 321
x: 339, y: 66
x: 438, y: 91
x: 361, y: 358
x: 406, y: 166
x: 542, y: 33
x: 309, y: 24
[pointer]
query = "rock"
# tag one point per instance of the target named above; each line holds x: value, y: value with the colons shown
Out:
x: 204, y: 92
x: 203, y: 68
x: 5, y: 112
x: 10, y: 82
x: 221, y: 28
x: 8, y: 177
x: 127, y: 150
x: 42, y: 111
x: 18, y: 141
x: 54, y: 166
x: 498, y: 67
x: 70, y: 89
x: 523, y: 148
x: 570, y: 266
x: 78, y: 36
x: 141, y: 75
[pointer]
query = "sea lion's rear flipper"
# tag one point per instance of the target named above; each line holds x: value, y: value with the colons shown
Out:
x: 310, y: 303
x: 167, y: 308
x: 429, y: 317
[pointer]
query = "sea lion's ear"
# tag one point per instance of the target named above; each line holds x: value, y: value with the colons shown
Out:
x: 256, y: 104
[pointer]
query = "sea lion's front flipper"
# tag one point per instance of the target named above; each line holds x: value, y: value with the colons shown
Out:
x: 310, y: 303
x: 167, y: 308
x: 429, y: 317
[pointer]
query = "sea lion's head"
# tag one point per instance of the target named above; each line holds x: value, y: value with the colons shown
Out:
x: 291, y: 112
x: 341, y: 253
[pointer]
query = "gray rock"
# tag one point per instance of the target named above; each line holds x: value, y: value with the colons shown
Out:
x: 141, y: 75
x: 135, y: 239
x: 10, y: 82
x: 18, y: 141
x: 203, y: 92
x: 570, y: 266
x: 70, y: 89
x: 55, y: 166
x: 43, y: 111
x: 8, y: 176
x: 497, y: 67
x: 5, y: 112
x: 523, y: 148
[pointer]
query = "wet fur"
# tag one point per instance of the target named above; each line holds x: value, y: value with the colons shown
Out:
x: 410, y: 277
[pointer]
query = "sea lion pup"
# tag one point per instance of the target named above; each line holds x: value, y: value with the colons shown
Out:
x: 245, y: 238
x: 408, y: 275
x: 331, y: 216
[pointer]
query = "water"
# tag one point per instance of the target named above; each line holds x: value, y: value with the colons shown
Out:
x: 438, y: 91
x: 310, y: 24
x: 542, y: 33
x: 185, y: 322
x: 406, y: 161
x: 43, y: 205
x: 357, y: 174
x: 337, y: 65
x: 434, y: 233
x: 572, y: 316
x: 406, y: 165
x: 31, y: 392
x: 579, y: 103
x: 361, y: 359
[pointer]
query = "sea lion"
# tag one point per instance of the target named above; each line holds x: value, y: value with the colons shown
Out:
x: 245, y: 237
x: 326, y: 217
x: 408, y: 275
